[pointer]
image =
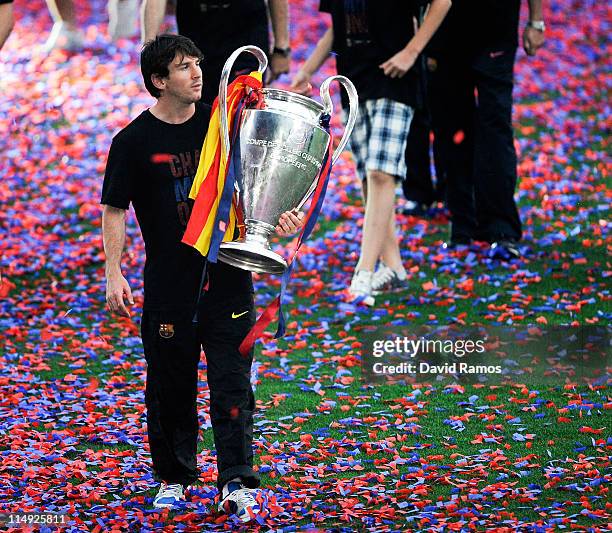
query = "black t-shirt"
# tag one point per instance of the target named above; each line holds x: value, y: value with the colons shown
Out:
x: 366, y: 34
x: 152, y: 164
x: 478, y: 25
x: 218, y: 27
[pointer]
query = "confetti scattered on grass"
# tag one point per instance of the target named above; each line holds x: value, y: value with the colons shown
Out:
x: 332, y: 453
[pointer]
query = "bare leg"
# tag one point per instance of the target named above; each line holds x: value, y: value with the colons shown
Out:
x: 379, y: 215
x: 7, y: 21
x: 63, y: 11
x: 391, y: 252
x: 122, y: 18
x: 65, y: 33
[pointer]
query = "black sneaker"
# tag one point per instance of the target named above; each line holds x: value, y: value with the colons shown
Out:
x: 505, y: 249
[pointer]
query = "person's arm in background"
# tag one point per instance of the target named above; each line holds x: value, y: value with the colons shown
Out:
x: 7, y: 21
x: 279, y: 17
x: 113, y: 237
x: 301, y: 81
x: 152, y: 14
x: 400, y: 63
x: 533, y: 38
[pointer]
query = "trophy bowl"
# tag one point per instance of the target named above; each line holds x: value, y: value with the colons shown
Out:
x: 282, y: 147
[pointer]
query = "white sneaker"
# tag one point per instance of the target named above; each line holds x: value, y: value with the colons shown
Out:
x: 122, y: 18
x: 361, y: 287
x: 169, y: 495
x: 239, y: 500
x: 386, y: 279
x: 64, y: 38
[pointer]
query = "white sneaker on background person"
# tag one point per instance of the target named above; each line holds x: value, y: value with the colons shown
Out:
x: 360, y: 290
x: 64, y: 37
x: 386, y: 279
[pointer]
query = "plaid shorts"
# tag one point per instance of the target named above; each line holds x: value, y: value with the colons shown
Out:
x: 378, y: 141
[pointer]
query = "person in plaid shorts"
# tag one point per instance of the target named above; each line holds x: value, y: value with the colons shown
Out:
x: 376, y: 46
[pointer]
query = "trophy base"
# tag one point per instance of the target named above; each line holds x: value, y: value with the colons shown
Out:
x: 252, y: 256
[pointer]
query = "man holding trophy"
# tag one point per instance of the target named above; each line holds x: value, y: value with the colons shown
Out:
x: 152, y: 163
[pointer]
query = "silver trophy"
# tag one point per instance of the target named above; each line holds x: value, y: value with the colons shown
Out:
x: 282, y: 147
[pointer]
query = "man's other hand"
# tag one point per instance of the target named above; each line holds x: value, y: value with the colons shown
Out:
x: 532, y: 40
x: 289, y: 223
x: 301, y: 83
x: 117, y: 288
x: 397, y: 66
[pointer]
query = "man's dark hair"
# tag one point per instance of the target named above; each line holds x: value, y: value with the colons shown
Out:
x: 157, y: 55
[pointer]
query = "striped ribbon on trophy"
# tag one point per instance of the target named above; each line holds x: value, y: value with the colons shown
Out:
x: 275, y: 308
x: 216, y: 215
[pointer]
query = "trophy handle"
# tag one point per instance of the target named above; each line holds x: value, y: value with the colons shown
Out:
x: 225, y: 73
x: 329, y: 108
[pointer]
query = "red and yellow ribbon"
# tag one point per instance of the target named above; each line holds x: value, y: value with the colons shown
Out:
x: 209, y: 182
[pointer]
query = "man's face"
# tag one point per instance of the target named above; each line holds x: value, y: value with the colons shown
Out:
x: 184, y: 81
